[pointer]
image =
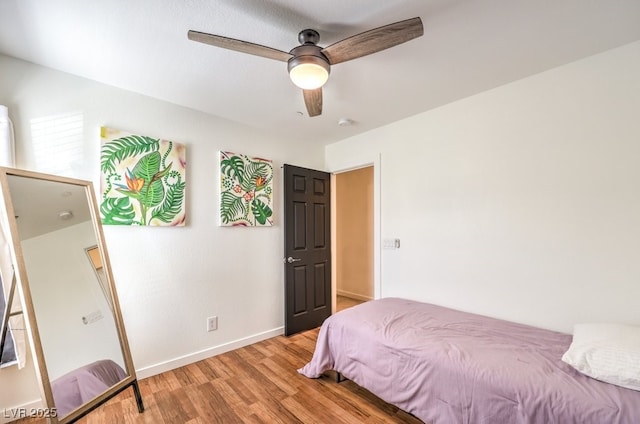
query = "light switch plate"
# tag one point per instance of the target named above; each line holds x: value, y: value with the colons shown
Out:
x: 391, y: 244
x: 92, y: 317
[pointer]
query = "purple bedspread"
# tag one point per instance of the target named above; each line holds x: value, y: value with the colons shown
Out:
x: 451, y: 367
x: 83, y: 384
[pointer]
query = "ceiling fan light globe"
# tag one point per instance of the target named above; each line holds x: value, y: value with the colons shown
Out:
x: 309, y: 76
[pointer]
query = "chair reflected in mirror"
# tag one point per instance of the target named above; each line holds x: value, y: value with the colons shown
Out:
x: 8, y: 355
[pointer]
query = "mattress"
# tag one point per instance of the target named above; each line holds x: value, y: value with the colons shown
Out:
x: 446, y: 366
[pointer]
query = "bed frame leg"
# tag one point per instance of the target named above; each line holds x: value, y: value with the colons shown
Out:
x: 339, y: 377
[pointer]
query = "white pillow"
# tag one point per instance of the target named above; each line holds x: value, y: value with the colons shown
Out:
x: 607, y: 352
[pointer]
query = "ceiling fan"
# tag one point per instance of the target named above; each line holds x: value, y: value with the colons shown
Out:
x: 309, y: 64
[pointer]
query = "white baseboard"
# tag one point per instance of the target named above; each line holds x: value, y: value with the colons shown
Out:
x: 21, y: 411
x: 207, y: 353
x: 355, y: 296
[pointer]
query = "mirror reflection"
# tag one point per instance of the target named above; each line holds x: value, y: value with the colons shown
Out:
x: 95, y: 259
x: 72, y: 306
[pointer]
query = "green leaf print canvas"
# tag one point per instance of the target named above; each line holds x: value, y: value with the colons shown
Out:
x: 246, y: 190
x: 143, y: 180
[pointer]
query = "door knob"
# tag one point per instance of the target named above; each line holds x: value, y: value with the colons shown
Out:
x: 292, y: 260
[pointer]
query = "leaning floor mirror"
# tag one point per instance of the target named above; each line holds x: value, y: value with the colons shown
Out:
x: 66, y: 287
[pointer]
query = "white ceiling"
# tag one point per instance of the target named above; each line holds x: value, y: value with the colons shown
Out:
x: 38, y: 205
x: 468, y: 46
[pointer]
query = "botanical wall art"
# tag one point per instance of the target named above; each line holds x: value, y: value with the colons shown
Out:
x: 143, y: 180
x: 246, y: 190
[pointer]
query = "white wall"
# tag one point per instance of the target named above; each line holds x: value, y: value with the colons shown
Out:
x: 522, y: 202
x: 169, y: 279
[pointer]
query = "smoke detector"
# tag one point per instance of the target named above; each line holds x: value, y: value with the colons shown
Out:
x: 65, y: 215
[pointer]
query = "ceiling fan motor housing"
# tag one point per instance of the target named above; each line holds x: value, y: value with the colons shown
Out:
x: 308, y: 53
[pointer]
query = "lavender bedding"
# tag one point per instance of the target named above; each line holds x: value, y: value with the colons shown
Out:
x: 447, y: 366
x: 83, y: 384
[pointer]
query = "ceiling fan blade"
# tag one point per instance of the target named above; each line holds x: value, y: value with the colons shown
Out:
x: 239, y: 45
x: 313, y: 101
x: 374, y: 40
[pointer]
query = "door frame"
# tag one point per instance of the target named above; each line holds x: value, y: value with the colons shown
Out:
x: 350, y: 164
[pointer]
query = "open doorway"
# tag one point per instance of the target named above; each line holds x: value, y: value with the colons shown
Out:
x: 354, y: 237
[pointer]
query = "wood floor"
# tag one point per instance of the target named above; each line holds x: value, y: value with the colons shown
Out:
x: 343, y: 302
x: 255, y: 384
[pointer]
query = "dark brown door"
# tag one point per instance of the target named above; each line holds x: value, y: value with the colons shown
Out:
x: 307, y: 248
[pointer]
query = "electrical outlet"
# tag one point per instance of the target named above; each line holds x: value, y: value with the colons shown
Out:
x: 212, y: 323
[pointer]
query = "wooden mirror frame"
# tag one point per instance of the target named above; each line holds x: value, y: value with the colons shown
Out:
x: 28, y: 307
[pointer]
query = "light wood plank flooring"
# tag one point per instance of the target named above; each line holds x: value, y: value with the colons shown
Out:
x: 255, y: 384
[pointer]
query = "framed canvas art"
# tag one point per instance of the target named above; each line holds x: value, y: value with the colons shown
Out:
x: 246, y: 190
x: 143, y: 180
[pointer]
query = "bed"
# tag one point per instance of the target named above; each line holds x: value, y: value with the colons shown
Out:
x: 83, y: 384
x: 446, y: 366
